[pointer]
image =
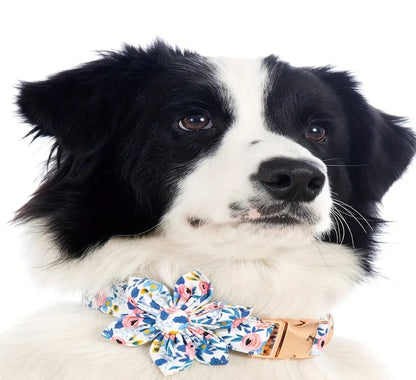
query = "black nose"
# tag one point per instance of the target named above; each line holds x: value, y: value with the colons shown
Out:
x: 291, y: 180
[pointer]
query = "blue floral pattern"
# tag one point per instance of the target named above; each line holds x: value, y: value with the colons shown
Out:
x: 321, y: 338
x: 181, y: 328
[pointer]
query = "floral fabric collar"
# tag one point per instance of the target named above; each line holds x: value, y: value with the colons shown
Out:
x: 185, y: 326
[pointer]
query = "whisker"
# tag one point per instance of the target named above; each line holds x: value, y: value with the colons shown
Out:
x: 331, y: 159
x: 141, y: 233
x: 336, y: 213
x: 357, y: 212
x: 338, y: 224
x: 349, y: 213
x: 348, y: 166
x: 337, y: 230
x: 349, y: 229
x: 361, y: 216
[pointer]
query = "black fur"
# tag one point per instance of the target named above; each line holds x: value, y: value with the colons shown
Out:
x: 366, y: 150
x: 380, y: 150
x: 118, y: 155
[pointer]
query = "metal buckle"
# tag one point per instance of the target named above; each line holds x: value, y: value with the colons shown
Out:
x: 274, y: 344
x: 292, y: 338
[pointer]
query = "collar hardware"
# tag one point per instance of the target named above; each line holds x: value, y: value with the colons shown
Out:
x: 297, y: 338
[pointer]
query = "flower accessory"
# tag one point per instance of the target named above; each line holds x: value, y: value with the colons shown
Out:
x: 182, y: 328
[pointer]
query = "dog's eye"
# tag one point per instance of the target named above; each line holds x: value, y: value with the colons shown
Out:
x: 195, y: 123
x: 316, y: 133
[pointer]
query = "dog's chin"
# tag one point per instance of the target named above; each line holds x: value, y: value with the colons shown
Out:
x: 285, y: 226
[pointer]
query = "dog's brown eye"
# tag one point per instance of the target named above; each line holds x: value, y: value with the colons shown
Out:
x: 195, y: 123
x: 316, y: 133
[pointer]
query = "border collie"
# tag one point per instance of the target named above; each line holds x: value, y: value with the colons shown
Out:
x: 264, y: 176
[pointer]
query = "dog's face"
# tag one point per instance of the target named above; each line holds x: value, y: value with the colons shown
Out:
x: 211, y: 148
x: 260, y: 170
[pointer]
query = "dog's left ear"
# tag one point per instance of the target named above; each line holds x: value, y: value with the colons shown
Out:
x: 381, y: 148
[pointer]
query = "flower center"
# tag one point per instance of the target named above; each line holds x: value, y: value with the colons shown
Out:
x: 172, y: 321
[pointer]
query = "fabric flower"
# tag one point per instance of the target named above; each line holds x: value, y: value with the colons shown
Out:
x: 183, y: 327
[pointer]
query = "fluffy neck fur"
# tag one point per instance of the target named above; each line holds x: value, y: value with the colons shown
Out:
x: 302, y: 282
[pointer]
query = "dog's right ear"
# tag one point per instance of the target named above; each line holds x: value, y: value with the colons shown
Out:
x: 81, y: 107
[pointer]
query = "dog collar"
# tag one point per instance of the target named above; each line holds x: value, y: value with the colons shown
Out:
x: 187, y: 326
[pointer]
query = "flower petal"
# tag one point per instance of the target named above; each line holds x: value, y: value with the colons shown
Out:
x: 131, y: 330
x: 147, y: 295
x: 192, y: 290
x: 249, y: 336
x: 217, y: 315
x: 111, y: 300
x: 170, y: 353
x: 209, y: 348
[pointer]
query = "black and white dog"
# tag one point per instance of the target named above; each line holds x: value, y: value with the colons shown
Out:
x: 264, y: 176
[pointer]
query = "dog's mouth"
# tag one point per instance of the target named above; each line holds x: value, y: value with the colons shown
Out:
x: 265, y: 216
x: 283, y: 213
x: 284, y: 219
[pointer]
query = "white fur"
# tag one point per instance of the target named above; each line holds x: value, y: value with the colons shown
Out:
x: 64, y: 342
x: 283, y: 272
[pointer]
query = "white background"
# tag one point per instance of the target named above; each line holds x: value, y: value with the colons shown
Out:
x: 375, y: 40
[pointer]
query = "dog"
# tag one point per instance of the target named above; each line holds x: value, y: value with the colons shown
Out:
x: 263, y: 176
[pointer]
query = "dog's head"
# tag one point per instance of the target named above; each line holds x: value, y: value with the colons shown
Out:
x: 166, y: 141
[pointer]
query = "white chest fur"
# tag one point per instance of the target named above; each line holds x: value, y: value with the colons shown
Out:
x: 303, y: 282
x: 64, y: 342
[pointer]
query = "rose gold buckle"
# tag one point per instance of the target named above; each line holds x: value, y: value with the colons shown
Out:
x: 292, y: 338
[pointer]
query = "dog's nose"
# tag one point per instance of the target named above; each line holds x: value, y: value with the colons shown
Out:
x: 290, y: 179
